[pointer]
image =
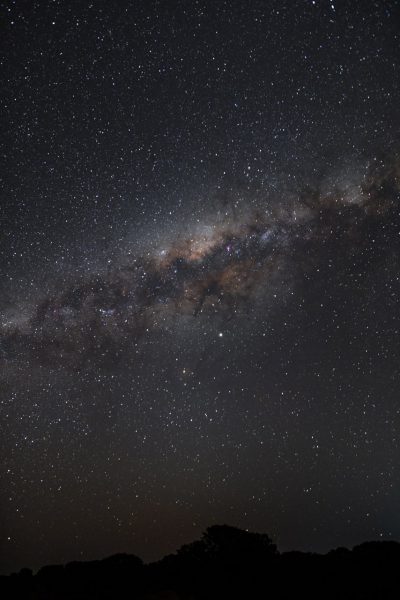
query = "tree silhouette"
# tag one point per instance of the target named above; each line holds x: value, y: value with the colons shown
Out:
x: 225, y: 563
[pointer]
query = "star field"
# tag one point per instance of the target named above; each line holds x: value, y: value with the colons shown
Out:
x: 199, y: 275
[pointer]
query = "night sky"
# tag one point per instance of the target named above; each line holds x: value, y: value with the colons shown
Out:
x: 199, y: 274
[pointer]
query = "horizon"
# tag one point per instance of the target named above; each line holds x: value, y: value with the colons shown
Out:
x: 175, y: 552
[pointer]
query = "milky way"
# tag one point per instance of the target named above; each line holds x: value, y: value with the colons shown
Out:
x: 236, y: 264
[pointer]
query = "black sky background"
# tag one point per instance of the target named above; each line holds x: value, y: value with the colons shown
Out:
x: 199, y: 314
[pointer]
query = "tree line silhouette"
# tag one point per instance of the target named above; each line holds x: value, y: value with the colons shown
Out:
x: 226, y: 562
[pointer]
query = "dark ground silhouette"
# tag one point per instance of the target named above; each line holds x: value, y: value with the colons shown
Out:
x: 226, y: 563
